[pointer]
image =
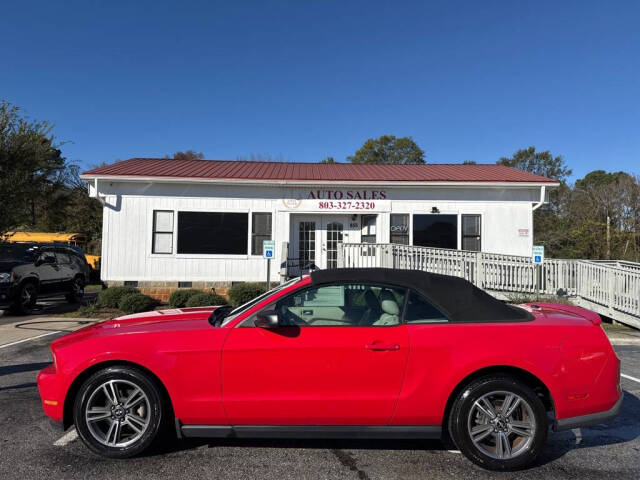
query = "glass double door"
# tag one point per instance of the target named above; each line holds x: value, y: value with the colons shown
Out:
x: 316, y: 239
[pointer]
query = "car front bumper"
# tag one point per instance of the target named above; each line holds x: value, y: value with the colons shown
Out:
x: 591, y: 419
x: 7, y: 295
x: 49, y: 386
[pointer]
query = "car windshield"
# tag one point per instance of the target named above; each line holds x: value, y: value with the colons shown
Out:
x: 16, y: 253
x: 243, y: 308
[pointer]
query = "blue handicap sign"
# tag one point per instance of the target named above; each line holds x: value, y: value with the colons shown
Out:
x: 268, y: 248
x: 538, y: 259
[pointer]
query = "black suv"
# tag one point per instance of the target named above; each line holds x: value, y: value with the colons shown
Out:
x: 31, y: 270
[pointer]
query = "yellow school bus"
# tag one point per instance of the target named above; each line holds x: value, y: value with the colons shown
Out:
x: 76, y: 239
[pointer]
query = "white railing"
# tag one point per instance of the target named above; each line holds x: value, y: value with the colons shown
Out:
x: 615, y: 286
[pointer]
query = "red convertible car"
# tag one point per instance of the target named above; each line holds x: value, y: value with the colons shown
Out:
x: 361, y: 353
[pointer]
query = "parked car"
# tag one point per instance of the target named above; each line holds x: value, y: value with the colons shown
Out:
x: 29, y: 271
x: 363, y: 353
x: 77, y: 241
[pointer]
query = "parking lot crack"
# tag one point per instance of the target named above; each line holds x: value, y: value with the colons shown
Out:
x: 348, y: 461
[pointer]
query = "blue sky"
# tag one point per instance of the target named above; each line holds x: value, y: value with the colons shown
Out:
x: 302, y: 80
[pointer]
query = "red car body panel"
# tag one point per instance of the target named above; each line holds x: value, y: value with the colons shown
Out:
x: 237, y: 375
x: 313, y: 376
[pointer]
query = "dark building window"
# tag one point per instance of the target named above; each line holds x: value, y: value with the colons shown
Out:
x: 213, y: 233
x: 162, y: 241
x: 471, y: 232
x: 400, y: 228
x: 439, y: 231
x: 260, y: 230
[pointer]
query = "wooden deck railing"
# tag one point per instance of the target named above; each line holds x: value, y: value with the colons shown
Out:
x: 612, y: 288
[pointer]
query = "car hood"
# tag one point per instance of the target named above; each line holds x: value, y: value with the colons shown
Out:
x: 8, y: 265
x: 165, y: 321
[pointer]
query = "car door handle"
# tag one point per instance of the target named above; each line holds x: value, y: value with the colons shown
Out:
x: 380, y: 346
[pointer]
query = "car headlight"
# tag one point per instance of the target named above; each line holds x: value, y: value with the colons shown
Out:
x: 5, y: 277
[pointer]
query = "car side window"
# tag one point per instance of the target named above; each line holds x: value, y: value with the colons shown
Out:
x: 47, y: 254
x: 62, y: 257
x: 420, y: 310
x: 349, y: 305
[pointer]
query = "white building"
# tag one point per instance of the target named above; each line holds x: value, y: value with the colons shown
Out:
x: 200, y: 221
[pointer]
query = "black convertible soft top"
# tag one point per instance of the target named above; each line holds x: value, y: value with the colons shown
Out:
x: 457, y: 298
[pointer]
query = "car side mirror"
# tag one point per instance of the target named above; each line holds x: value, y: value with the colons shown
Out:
x: 266, y: 319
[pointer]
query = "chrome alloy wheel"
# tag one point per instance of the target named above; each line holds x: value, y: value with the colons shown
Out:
x: 118, y: 413
x: 26, y: 296
x: 501, y: 425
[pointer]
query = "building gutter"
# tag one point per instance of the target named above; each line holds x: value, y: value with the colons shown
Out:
x: 311, y: 183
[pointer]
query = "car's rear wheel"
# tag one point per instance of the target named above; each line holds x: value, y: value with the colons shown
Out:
x: 26, y: 299
x: 77, y: 291
x: 118, y: 412
x: 499, y: 423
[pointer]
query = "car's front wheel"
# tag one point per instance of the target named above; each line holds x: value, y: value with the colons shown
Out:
x: 118, y: 412
x: 26, y: 299
x: 499, y: 423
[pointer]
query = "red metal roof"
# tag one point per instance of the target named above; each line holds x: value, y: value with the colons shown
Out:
x: 309, y: 172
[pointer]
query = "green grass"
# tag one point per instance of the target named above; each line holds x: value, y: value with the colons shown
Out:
x: 92, y: 311
x: 608, y: 325
x: 96, y: 287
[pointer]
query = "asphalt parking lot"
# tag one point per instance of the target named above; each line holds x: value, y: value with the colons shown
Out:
x: 31, y: 447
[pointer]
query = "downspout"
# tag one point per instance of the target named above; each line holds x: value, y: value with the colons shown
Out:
x: 98, y: 197
x: 535, y: 207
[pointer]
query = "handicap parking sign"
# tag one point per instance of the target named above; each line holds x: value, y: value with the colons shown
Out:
x: 537, y: 254
x: 268, y: 247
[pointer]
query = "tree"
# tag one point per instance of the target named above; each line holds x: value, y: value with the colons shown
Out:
x: 607, y: 204
x: 32, y: 169
x: 39, y: 188
x: 549, y: 228
x: 469, y: 162
x: 540, y: 163
x: 328, y: 160
x: 188, y: 155
x: 388, y: 149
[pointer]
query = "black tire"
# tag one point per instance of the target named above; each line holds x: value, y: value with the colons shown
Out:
x: 90, y: 432
x: 26, y: 299
x: 460, y: 423
x: 77, y: 290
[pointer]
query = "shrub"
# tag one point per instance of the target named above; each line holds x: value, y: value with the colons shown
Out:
x: 136, y: 303
x: 179, y: 298
x: 243, y: 292
x: 111, y: 296
x: 205, y: 300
